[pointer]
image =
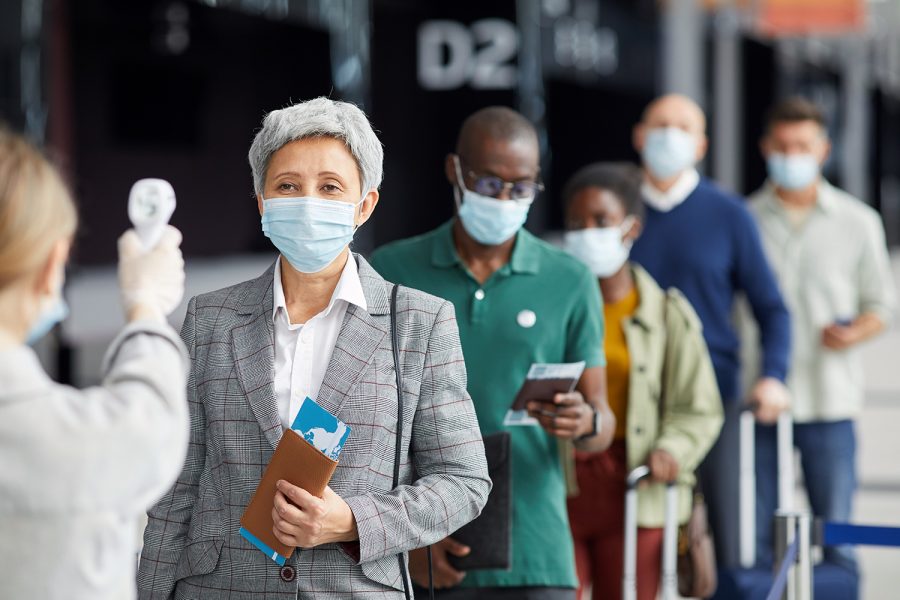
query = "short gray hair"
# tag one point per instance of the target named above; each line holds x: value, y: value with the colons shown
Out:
x: 320, y: 117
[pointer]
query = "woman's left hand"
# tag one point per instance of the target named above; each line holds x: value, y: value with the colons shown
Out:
x: 305, y: 521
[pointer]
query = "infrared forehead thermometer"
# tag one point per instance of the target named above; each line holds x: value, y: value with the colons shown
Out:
x: 151, y: 203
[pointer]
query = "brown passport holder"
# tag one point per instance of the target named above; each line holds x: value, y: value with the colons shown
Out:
x: 542, y: 390
x: 296, y: 461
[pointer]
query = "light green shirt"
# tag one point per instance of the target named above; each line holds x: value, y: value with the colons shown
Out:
x: 831, y: 265
x: 542, y: 306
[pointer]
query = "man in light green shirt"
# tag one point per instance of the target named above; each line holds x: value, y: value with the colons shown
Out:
x: 828, y: 252
x: 518, y: 301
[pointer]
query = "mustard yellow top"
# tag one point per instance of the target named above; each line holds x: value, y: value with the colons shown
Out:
x: 618, y: 363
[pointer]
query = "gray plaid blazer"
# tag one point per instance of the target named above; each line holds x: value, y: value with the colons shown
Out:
x: 192, y: 548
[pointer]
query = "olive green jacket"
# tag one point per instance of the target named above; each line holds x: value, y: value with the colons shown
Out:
x: 665, y: 340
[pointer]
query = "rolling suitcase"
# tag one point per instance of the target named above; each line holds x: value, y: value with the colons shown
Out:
x: 669, y: 579
x: 750, y: 582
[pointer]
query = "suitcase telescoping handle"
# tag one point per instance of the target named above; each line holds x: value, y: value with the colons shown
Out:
x: 670, y: 537
x: 747, y: 502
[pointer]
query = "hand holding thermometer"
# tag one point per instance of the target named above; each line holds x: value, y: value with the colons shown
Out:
x: 151, y: 203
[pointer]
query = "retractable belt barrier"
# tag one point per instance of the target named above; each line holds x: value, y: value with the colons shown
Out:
x: 835, y: 534
x: 794, y: 542
x: 781, y: 580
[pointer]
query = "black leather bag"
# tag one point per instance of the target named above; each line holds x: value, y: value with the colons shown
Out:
x: 488, y: 536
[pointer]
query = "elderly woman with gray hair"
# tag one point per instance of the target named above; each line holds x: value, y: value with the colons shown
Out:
x: 318, y: 324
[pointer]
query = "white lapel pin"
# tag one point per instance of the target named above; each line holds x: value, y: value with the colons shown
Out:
x: 526, y: 318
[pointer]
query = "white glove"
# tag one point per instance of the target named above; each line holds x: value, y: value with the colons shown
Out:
x: 151, y: 283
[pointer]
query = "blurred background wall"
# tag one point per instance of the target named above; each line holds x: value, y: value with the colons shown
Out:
x: 175, y: 89
x: 116, y: 91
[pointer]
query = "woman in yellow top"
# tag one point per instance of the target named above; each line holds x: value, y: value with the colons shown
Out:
x: 660, y: 381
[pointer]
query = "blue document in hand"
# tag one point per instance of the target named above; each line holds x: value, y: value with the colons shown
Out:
x: 321, y: 429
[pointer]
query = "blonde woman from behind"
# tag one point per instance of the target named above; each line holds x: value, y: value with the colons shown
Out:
x: 80, y: 466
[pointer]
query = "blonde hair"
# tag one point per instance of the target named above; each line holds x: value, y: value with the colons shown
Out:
x: 36, y: 209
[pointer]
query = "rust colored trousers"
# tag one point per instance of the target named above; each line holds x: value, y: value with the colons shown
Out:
x: 597, y: 517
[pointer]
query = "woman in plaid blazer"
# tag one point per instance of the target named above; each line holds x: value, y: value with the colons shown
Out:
x: 316, y: 324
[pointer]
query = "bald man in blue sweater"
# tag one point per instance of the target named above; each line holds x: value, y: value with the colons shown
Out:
x: 703, y: 241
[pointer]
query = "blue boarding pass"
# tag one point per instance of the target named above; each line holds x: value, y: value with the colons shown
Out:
x: 323, y: 431
x: 263, y: 547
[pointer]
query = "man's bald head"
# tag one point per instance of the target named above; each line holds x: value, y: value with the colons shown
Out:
x: 666, y: 120
x: 675, y: 110
x: 495, y: 141
x: 495, y: 124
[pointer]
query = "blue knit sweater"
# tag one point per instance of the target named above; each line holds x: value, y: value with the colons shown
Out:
x: 709, y: 248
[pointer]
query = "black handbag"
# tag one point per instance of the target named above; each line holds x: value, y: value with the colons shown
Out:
x: 489, y: 536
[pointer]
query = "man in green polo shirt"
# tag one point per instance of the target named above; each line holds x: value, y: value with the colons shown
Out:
x: 518, y: 301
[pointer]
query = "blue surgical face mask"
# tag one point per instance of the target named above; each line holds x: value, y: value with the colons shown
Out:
x: 488, y: 220
x: 792, y: 171
x: 668, y: 151
x: 600, y: 248
x: 309, y: 232
x: 48, y: 319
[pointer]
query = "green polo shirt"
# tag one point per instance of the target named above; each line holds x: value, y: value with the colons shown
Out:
x: 541, y: 307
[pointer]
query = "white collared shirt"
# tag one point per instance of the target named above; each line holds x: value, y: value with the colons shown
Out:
x: 831, y: 266
x: 665, y: 201
x: 303, y: 351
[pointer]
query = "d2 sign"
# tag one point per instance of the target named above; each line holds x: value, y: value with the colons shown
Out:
x: 451, y: 55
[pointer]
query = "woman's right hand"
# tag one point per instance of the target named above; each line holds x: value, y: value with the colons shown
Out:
x: 151, y: 283
x: 445, y: 576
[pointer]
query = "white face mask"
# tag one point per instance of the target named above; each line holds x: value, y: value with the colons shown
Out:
x: 309, y: 232
x: 488, y: 220
x: 792, y: 171
x: 600, y: 248
x: 669, y: 151
x: 54, y: 310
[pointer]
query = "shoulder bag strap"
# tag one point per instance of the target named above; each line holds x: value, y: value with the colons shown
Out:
x: 395, y: 347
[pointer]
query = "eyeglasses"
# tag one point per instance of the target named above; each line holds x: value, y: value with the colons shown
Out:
x: 493, y: 186
x: 488, y: 185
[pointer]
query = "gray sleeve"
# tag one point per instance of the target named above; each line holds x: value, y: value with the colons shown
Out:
x: 448, y: 453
